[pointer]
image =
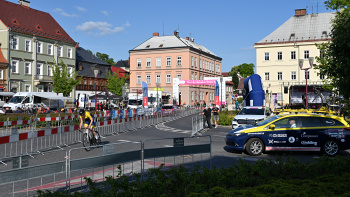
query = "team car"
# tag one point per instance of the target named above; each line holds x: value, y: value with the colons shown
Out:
x: 292, y: 132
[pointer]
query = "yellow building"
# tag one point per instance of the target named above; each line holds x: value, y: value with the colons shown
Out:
x: 278, y: 55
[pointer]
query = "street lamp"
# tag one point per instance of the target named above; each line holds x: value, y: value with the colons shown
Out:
x: 96, y: 72
x: 157, y: 84
x: 221, y: 79
x: 311, y: 62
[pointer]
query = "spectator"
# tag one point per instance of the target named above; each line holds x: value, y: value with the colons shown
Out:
x: 215, y: 111
x: 237, y: 105
x: 207, y: 117
x: 19, y: 110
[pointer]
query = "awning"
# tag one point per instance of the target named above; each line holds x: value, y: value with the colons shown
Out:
x: 55, y: 97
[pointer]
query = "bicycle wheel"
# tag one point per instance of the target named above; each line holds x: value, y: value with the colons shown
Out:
x: 318, y: 98
x: 85, y: 141
x: 98, y: 141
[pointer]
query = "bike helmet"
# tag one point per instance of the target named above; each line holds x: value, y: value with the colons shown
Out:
x: 81, y: 112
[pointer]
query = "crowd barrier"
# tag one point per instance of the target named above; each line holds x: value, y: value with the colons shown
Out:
x: 68, y: 171
x: 197, y: 124
x: 48, y: 133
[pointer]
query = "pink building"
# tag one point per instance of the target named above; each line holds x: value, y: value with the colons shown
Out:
x: 161, y: 58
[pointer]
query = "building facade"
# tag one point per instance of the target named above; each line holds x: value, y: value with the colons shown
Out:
x: 161, y: 58
x: 278, y: 54
x: 32, y: 41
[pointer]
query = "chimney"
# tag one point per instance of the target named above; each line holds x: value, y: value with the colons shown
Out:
x: 300, y: 12
x: 24, y: 3
x: 187, y: 38
x: 155, y: 34
x: 192, y: 39
x: 176, y: 33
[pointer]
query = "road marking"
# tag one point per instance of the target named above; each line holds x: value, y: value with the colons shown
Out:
x: 162, y: 127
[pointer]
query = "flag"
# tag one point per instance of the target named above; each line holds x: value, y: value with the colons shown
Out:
x: 145, y: 94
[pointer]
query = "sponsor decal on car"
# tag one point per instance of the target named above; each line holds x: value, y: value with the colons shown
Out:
x: 309, y: 142
x: 278, y: 135
x: 277, y: 142
x: 291, y: 140
x: 342, y: 140
x: 260, y: 133
x: 308, y: 136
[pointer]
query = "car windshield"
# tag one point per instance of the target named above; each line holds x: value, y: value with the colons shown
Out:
x: 250, y: 111
x: 152, y: 99
x: 167, y: 107
x: 16, y: 99
x: 133, y: 102
x: 264, y: 122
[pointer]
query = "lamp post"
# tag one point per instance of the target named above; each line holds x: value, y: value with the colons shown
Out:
x: 157, y: 84
x: 311, y: 62
x: 221, y: 79
x: 96, y: 72
x: 152, y: 100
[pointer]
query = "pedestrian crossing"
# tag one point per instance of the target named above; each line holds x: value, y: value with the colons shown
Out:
x: 162, y: 127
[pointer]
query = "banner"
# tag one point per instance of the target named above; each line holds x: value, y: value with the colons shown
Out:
x: 197, y: 82
x: 145, y: 94
x: 217, y: 99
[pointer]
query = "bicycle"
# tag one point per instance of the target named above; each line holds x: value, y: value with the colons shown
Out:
x: 333, y: 102
x: 89, y: 140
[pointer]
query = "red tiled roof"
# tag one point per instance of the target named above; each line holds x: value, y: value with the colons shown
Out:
x: 30, y: 21
x: 229, y: 82
x: 2, y: 58
x: 225, y: 74
x: 121, y: 71
x: 241, y: 83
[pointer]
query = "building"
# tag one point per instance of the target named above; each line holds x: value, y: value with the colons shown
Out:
x: 278, y: 54
x: 32, y: 41
x: 85, y: 66
x: 3, y: 72
x: 161, y: 58
x: 124, y: 64
x: 123, y: 68
x: 229, y: 91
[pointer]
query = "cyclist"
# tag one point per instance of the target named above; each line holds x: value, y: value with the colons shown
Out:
x: 89, y: 121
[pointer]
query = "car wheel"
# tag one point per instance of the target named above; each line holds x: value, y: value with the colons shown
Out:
x: 254, y: 147
x: 331, y: 147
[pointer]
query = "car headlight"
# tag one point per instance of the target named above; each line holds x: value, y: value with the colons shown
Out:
x: 236, y: 134
x: 234, y: 119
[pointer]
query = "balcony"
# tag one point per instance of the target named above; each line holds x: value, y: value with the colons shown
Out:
x: 90, y: 87
x: 43, y: 78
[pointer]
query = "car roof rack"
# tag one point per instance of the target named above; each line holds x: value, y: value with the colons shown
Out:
x: 321, y: 111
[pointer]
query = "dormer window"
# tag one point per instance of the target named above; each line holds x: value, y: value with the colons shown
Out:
x: 147, y: 46
x: 38, y: 27
x: 15, y: 21
x: 58, y: 32
x: 324, y: 33
x: 161, y: 45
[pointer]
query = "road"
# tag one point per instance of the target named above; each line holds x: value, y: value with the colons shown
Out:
x: 131, y: 141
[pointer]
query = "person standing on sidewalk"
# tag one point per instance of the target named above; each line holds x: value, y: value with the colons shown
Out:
x: 215, y: 111
x: 207, y: 117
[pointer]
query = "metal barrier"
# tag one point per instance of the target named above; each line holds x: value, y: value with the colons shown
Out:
x: 197, y: 124
x: 116, y: 159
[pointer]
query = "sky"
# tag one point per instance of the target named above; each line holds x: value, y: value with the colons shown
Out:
x: 228, y: 28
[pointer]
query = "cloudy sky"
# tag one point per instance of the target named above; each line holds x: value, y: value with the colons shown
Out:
x: 228, y: 28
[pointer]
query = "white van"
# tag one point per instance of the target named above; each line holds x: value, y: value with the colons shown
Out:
x: 29, y: 99
x: 5, y: 96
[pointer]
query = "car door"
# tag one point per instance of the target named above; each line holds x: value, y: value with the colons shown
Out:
x: 283, y: 137
x: 312, y: 132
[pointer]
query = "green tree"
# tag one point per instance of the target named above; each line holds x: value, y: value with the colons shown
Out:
x: 244, y: 70
x: 334, y: 61
x: 115, y: 84
x: 63, y: 82
x: 233, y: 73
x: 104, y: 57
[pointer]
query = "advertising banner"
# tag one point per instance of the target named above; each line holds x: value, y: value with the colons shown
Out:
x: 197, y: 82
x: 145, y: 94
x: 217, y: 99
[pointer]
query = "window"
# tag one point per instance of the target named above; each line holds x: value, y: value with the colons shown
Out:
x: 49, y: 49
x: 59, y: 51
x: 179, y: 76
x: 310, y: 122
x: 138, y: 81
x: 331, y: 122
x: 200, y: 63
x: 148, y: 62
x: 1, y: 74
x: 138, y: 62
x: 158, y: 62
x: 14, y: 66
x: 157, y: 78
x: 279, y: 96
x: 179, y: 61
x: 85, y: 82
x: 168, y: 61
x: 40, y: 88
x: 279, y: 55
x: 306, y: 54
x: 148, y: 79
x: 27, y: 87
x: 39, y: 69
x: 195, y: 76
x: 321, y: 76
x: 168, y: 78
x: 70, y: 71
x: 284, y: 123
x: 15, y: 43
x: 292, y: 55
x: 267, y: 76
x: 27, y: 68
x: 293, y: 75
x: 191, y: 96
x: 49, y: 71
x: 191, y: 76
x: 69, y: 53
x: 195, y: 62
x: 28, y: 45
x: 39, y: 47
x: 307, y: 74
x: 279, y: 76
x: 267, y: 56
x: 192, y: 61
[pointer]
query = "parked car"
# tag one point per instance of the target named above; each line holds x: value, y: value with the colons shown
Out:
x: 250, y: 115
x: 310, y: 132
x: 168, y: 108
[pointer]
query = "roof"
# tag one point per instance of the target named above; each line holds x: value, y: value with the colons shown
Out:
x: 88, y: 70
x: 309, y: 27
x: 121, y: 72
x: 225, y: 74
x: 122, y: 63
x: 159, y: 42
x: 85, y: 56
x: 2, y: 58
x: 241, y: 83
x: 30, y: 21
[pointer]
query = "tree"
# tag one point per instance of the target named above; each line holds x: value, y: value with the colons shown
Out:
x: 115, y: 84
x: 104, y: 57
x: 63, y: 82
x: 233, y: 73
x: 334, y: 59
x: 244, y: 70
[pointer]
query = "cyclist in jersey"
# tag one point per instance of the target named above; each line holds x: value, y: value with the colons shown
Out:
x: 89, y: 121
